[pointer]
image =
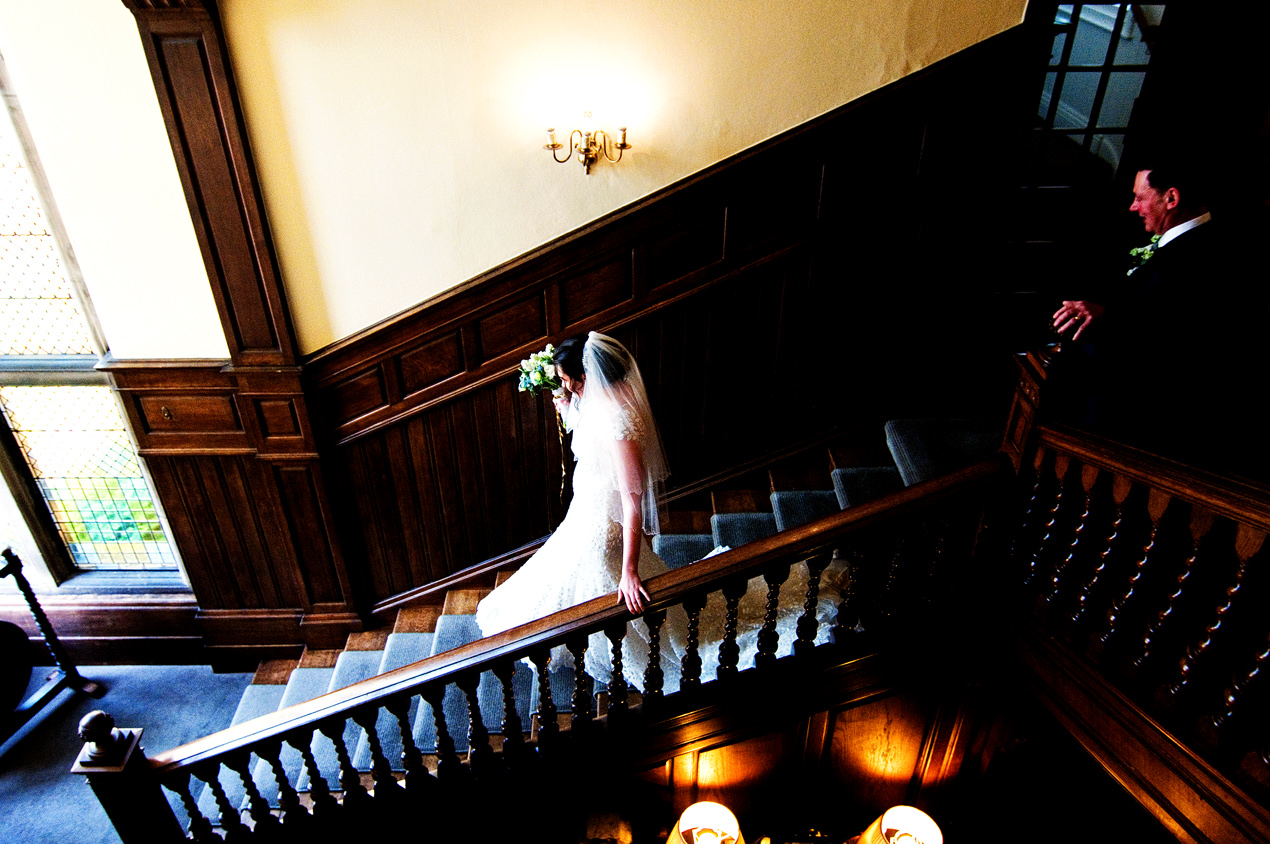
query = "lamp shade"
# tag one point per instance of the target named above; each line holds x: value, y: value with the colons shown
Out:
x: 902, y: 825
x: 706, y: 823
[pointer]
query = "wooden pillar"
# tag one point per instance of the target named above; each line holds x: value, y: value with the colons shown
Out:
x: 196, y: 433
x: 1019, y: 429
x: 117, y: 771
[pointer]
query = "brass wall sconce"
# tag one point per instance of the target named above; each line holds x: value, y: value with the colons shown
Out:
x: 589, y: 146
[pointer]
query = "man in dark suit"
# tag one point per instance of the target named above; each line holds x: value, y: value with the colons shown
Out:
x: 1163, y: 351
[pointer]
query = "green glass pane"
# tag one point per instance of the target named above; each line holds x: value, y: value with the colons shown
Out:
x: 80, y: 454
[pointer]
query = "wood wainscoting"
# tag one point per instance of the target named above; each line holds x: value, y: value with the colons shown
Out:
x: 788, y: 294
x: 780, y: 296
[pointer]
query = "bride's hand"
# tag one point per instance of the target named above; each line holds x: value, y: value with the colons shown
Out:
x: 631, y: 590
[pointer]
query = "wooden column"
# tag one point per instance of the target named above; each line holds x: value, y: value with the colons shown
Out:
x: 232, y: 448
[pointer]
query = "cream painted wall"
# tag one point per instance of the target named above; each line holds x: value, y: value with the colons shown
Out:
x: 399, y: 142
x: 82, y: 82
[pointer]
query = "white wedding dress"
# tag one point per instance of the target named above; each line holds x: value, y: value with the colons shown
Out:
x: 583, y: 560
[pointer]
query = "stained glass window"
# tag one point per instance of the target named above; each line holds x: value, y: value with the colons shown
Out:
x: 71, y: 434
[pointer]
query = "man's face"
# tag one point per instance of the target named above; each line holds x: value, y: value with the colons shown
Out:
x: 1152, y: 206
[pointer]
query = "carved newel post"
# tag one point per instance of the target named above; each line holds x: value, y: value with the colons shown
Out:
x: 119, y: 775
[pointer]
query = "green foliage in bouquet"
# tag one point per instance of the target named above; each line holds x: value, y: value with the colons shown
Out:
x: 538, y: 372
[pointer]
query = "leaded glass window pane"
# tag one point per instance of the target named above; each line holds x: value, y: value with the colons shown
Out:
x: 82, y: 458
x: 38, y: 312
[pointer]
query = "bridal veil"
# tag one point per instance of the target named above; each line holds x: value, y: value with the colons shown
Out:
x: 617, y: 408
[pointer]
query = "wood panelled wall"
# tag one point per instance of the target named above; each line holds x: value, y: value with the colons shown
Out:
x: 788, y: 294
x: 800, y: 288
x: 824, y: 751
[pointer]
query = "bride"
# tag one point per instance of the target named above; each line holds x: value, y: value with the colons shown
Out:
x: 602, y: 546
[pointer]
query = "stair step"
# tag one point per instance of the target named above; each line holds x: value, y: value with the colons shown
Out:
x: 258, y: 699
x: 350, y: 667
x: 274, y: 672
x: 858, y: 485
x: 686, y: 521
x: 867, y: 450
x: 401, y: 650
x: 422, y: 619
x: 736, y: 529
x: 455, y: 630
x: 462, y: 602
x: 806, y: 471
x: 680, y: 549
x: 740, y: 500
x: 927, y: 448
x: 367, y: 640
x: 791, y: 508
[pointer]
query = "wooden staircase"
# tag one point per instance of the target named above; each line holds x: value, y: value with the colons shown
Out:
x: 748, y: 508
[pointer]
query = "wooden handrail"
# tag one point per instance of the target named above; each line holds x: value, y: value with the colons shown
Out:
x: 1169, y: 610
x: 665, y: 590
x: 1243, y: 500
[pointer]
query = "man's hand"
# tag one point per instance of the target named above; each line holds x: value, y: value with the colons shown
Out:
x: 1078, y: 315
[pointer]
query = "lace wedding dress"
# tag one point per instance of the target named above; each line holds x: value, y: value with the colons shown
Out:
x: 583, y: 559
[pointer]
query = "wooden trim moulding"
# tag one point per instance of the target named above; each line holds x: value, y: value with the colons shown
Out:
x: 1186, y: 794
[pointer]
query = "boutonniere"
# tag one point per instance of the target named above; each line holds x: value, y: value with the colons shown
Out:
x: 1139, y: 255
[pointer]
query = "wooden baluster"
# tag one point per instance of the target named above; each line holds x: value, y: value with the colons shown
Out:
x: 356, y: 800
x: 847, y: 624
x: 1031, y: 513
x: 1157, y: 503
x: 937, y: 554
x: 448, y: 765
x: 769, y: 636
x: 1237, y: 692
x: 480, y: 753
x: 264, y: 823
x: 548, y: 726
x: 808, y: 625
x: 583, y: 710
x: 729, y: 650
x: 1088, y: 476
x: 618, y: 687
x: 1037, y: 562
x: 230, y: 820
x: 513, y: 730
x: 1120, y: 487
x: 200, y: 827
x: 690, y: 665
x: 653, y: 675
x: 387, y: 790
x: 1248, y: 541
x: 890, y: 597
x: 325, y: 806
x: 1200, y: 524
x: 295, y: 817
x: 418, y: 778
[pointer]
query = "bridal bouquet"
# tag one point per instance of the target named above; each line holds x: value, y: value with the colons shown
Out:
x: 538, y: 373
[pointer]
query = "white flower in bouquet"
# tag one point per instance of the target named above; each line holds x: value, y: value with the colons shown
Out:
x: 538, y: 372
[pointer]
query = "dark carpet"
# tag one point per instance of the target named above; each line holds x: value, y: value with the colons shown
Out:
x: 41, y: 802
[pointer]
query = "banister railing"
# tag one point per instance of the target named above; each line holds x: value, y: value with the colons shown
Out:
x: 882, y: 558
x: 1148, y: 633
